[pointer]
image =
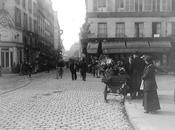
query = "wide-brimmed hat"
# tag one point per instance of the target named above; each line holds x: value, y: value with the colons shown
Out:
x: 148, y: 59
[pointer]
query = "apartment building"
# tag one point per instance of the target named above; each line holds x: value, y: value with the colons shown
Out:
x: 11, y: 40
x: 26, y: 31
x: 123, y: 27
x: 57, y: 33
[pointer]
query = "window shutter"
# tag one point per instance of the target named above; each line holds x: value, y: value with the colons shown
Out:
x: 117, y: 4
x: 132, y: 5
x: 173, y: 5
x: 136, y: 5
x: 95, y: 5
x: 158, y: 5
x: 173, y: 28
x: 109, y: 5
x: 127, y: 5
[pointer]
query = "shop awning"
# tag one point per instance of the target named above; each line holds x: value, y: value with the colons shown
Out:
x: 137, y: 44
x: 92, y: 47
x: 113, y: 47
x: 147, y: 47
x: 160, y: 46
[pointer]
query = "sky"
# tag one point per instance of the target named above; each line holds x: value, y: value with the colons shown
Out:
x: 71, y: 16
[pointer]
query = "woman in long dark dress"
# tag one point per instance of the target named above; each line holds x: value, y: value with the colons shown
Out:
x: 150, y: 98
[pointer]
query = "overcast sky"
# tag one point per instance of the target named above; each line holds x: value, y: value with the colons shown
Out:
x: 71, y: 15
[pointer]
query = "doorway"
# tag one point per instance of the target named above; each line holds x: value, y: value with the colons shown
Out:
x: 5, y: 59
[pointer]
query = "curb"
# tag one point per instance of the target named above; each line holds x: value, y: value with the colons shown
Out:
x: 12, y: 90
x: 134, y: 125
x: 128, y: 118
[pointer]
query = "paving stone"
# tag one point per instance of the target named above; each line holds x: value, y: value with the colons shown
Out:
x: 78, y: 105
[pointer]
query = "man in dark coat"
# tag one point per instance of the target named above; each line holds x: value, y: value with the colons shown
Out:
x: 83, y: 69
x: 137, y: 71
x: 73, y: 69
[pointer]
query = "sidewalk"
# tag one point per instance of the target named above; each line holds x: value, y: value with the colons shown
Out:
x: 161, y: 120
x: 11, y: 82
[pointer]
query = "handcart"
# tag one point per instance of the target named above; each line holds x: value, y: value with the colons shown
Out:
x: 117, y: 85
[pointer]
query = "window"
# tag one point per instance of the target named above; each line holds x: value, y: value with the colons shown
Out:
x: 17, y: 17
x: 25, y: 21
x: 138, y: 5
x: 166, y: 5
x: 139, y: 29
x: 24, y: 4
x: 148, y: 5
x: 120, y: 29
x: 102, y: 30
x: 101, y: 3
x: 129, y: 5
x: 121, y: 4
x: 156, y: 29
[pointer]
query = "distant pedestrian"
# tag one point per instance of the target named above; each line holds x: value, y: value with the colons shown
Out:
x: 59, y: 67
x: 83, y: 69
x: 29, y: 67
x: 150, y: 97
x: 73, y: 70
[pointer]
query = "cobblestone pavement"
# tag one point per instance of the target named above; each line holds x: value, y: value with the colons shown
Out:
x: 50, y: 104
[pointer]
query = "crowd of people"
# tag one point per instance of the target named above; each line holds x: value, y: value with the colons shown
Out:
x: 140, y: 69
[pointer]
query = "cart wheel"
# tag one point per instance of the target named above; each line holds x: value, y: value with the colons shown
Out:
x: 105, y: 94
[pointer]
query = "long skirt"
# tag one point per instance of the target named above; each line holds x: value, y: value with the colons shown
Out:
x: 151, y: 101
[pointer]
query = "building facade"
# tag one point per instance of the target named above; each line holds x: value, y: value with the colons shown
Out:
x: 11, y: 38
x: 27, y: 32
x: 123, y: 27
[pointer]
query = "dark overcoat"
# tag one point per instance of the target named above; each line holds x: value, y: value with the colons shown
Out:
x: 150, y: 97
x: 149, y: 78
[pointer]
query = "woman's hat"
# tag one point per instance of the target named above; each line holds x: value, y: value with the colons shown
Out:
x: 148, y: 59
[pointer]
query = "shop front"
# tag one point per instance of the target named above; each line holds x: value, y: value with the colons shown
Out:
x: 159, y: 50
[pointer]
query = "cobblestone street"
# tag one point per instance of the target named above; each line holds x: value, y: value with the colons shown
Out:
x: 50, y: 104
